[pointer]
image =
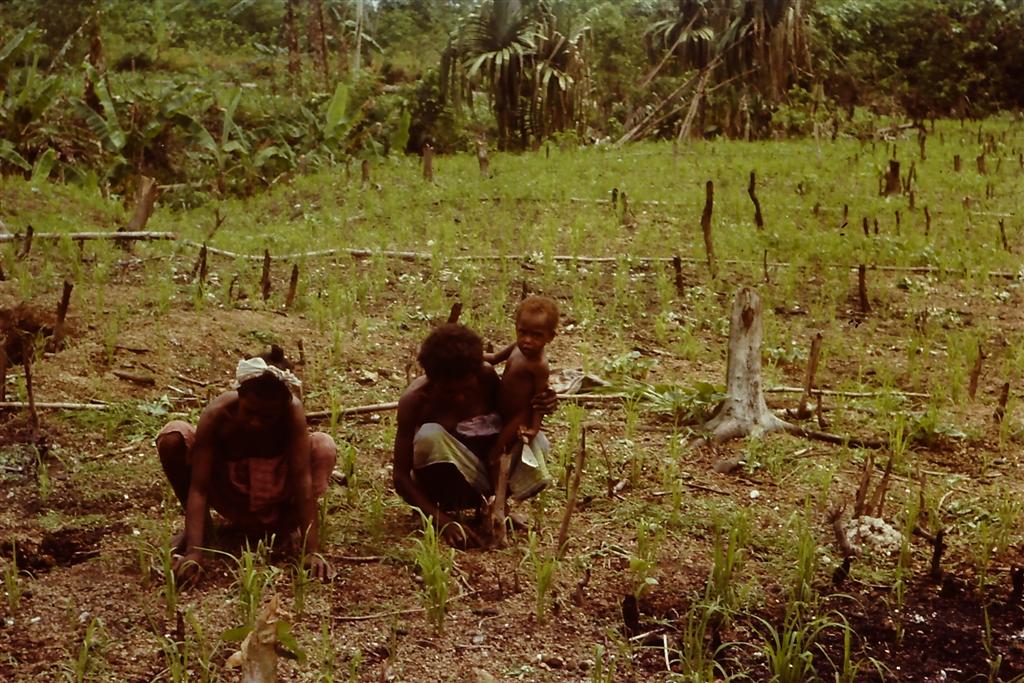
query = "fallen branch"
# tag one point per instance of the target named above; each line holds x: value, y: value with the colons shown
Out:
x: 21, y: 405
x: 846, y: 394
x: 85, y: 236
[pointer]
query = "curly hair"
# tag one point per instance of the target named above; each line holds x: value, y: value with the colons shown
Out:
x: 266, y: 387
x: 451, y: 351
x: 540, y: 304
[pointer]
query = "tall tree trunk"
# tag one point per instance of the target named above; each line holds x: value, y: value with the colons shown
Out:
x: 317, y: 39
x: 291, y: 39
x: 357, y: 52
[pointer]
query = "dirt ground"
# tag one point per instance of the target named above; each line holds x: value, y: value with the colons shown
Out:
x: 89, y: 513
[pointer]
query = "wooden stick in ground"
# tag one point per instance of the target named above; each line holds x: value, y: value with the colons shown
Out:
x: 892, y: 179
x: 499, y: 530
x: 862, y: 289
x: 33, y: 415
x: 453, y: 315
x: 972, y: 383
x: 1002, y: 235
x: 574, y: 489
x: 26, y: 246
x: 862, y: 488
x: 803, y: 411
x: 677, y: 266
x: 751, y: 189
x: 927, y: 221
x: 265, y: 280
x: 956, y: 163
x: 482, y: 160
x: 62, y: 312
x: 428, y: 163
x: 293, y: 286
x: 145, y: 198
x: 365, y: 168
x: 199, y: 269
x: 938, y: 545
x: 705, y: 224
x: 1004, y: 397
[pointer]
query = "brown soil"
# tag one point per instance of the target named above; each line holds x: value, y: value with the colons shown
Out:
x: 85, y: 540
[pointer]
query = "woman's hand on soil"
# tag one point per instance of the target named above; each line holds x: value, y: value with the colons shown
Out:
x: 187, y: 568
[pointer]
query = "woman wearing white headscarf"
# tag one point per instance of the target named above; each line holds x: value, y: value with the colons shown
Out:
x: 252, y: 459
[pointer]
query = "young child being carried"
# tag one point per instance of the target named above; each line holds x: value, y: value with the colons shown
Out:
x: 525, y: 376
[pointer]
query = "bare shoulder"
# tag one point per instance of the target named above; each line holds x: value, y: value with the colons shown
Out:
x: 217, y: 409
x: 521, y: 366
x: 412, y: 400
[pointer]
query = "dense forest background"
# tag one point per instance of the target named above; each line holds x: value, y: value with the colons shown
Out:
x: 217, y: 97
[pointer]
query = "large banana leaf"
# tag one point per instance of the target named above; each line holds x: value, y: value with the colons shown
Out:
x: 337, y: 123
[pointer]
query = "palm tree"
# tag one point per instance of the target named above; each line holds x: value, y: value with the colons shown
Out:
x: 530, y: 61
x: 761, y: 43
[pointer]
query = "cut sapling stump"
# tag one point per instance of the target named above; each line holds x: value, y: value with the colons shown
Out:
x: 982, y: 166
x: 456, y: 311
x: 744, y: 411
x: 927, y: 221
x: 26, y: 245
x: 482, y: 160
x: 199, y: 268
x: 956, y: 163
x: 365, y: 169
x: 1004, y: 397
x: 574, y: 489
x: 428, y: 163
x: 265, y: 279
x: 835, y: 519
x: 677, y: 266
x: 862, y: 290
x: 57, y: 341
x: 1017, y: 581
x: 705, y: 224
x: 257, y: 656
x: 892, y: 179
x: 803, y: 411
x: 938, y: 546
x: 293, y: 286
x: 1002, y: 236
x: 751, y: 190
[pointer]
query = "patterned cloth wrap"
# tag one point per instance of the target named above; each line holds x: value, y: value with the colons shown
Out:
x: 433, y: 444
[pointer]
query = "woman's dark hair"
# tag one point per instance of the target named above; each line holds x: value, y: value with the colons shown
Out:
x: 266, y: 387
x: 275, y: 356
x: 451, y: 351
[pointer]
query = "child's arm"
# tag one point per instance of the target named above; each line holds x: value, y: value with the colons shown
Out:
x: 500, y: 356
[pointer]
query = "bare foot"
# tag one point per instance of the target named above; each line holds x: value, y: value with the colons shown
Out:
x: 178, y: 542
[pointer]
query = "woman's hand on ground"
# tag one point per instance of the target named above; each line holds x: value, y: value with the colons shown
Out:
x: 187, y: 568
x: 318, y: 567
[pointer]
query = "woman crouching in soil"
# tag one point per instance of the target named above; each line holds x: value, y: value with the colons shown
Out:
x: 447, y: 423
x: 252, y: 459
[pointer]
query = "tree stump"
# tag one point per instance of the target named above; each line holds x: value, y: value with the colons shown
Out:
x: 744, y: 412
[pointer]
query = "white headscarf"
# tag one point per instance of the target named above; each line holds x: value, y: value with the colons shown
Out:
x: 257, y: 367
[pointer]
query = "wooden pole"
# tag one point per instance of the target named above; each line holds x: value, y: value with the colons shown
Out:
x: 265, y: 281
x: 453, y: 315
x: 803, y: 411
x: 862, y: 289
x: 365, y: 167
x: 26, y: 246
x: 956, y: 163
x: 293, y: 286
x: 677, y: 266
x: 1004, y: 397
x: 428, y: 163
x: 62, y: 312
x: 482, y: 160
x: 927, y: 221
x: 200, y: 266
x: 27, y: 352
x: 574, y: 489
x: 705, y: 224
x: 982, y: 167
x: 1002, y: 234
x: 751, y: 190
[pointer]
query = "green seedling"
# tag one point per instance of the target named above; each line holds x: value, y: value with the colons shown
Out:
x: 12, y: 581
x: 435, y: 565
x: 644, y: 561
x: 544, y: 568
x: 79, y: 669
x: 254, y: 574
